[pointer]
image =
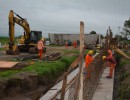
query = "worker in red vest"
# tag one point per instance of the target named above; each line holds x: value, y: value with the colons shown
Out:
x: 109, y: 54
x: 110, y: 62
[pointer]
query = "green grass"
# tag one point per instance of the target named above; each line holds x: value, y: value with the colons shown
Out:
x: 123, y: 61
x: 2, y: 49
x: 54, y: 45
x: 7, y: 73
x: 4, y: 40
x: 86, y: 51
x: 71, y: 51
x: 52, y: 70
x: 123, y: 78
x: 74, y: 51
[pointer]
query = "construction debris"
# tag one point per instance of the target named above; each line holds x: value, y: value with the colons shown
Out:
x: 52, y: 57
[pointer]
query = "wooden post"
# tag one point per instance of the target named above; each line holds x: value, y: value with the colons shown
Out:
x: 81, y: 36
x: 64, y: 86
x: 79, y: 84
x: 81, y: 63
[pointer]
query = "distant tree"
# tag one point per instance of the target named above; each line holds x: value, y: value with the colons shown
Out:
x: 126, y: 28
x: 92, y: 32
x: 127, y: 23
x: 120, y: 37
x: 102, y: 36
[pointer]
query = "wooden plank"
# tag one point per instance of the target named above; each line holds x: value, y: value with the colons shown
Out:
x: 7, y: 64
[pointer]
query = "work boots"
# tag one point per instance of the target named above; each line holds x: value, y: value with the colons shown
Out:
x: 108, y: 77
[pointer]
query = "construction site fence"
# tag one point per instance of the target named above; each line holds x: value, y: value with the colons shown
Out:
x: 89, y: 84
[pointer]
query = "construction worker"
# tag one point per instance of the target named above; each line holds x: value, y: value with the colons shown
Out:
x: 98, y: 49
x: 75, y: 44
x: 40, y: 47
x: 111, y: 63
x: 88, y: 60
x: 66, y: 44
x: 110, y: 54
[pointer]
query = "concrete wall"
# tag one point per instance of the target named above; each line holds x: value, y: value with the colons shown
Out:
x: 62, y: 38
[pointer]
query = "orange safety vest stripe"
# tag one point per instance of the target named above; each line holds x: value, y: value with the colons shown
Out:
x: 88, y: 60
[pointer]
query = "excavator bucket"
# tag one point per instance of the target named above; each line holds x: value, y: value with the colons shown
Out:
x: 13, y: 51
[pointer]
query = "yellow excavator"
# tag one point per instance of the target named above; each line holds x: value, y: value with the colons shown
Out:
x: 27, y: 42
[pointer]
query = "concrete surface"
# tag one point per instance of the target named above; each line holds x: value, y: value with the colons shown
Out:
x: 104, y: 89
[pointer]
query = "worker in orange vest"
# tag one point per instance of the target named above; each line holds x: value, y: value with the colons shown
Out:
x: 66, y: 44
x: 74, y: 44
x: 88, y: 60
x: 40, y: 46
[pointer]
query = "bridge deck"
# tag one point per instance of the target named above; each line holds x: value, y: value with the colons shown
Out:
x: 104, y: 89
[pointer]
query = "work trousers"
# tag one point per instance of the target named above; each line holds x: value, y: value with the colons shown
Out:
x: 40, y: 53
x: 112, y: 66
x: 87, y: 72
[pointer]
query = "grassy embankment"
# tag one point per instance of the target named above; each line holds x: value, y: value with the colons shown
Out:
x: 123, y: 78
x: 43, y: 68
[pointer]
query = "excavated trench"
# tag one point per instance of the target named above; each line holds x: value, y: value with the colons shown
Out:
x: 27, y: 86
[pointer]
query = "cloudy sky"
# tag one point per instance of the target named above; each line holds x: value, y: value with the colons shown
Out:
x: 64, y: 16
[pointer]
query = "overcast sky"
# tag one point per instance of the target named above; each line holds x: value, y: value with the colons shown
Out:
x: 64, y: 16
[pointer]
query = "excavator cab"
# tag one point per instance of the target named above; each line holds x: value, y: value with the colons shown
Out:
x: 35, y: 36
x: 30, y: 45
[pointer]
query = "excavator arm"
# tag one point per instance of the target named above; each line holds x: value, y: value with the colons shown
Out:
x: 20, y: 21
x: 11, y: 26
x: 12, y: 49
x: 25, y: 25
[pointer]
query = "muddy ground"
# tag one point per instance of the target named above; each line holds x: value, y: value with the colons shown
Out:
x: 10, y: 89
x: 49, y: 50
